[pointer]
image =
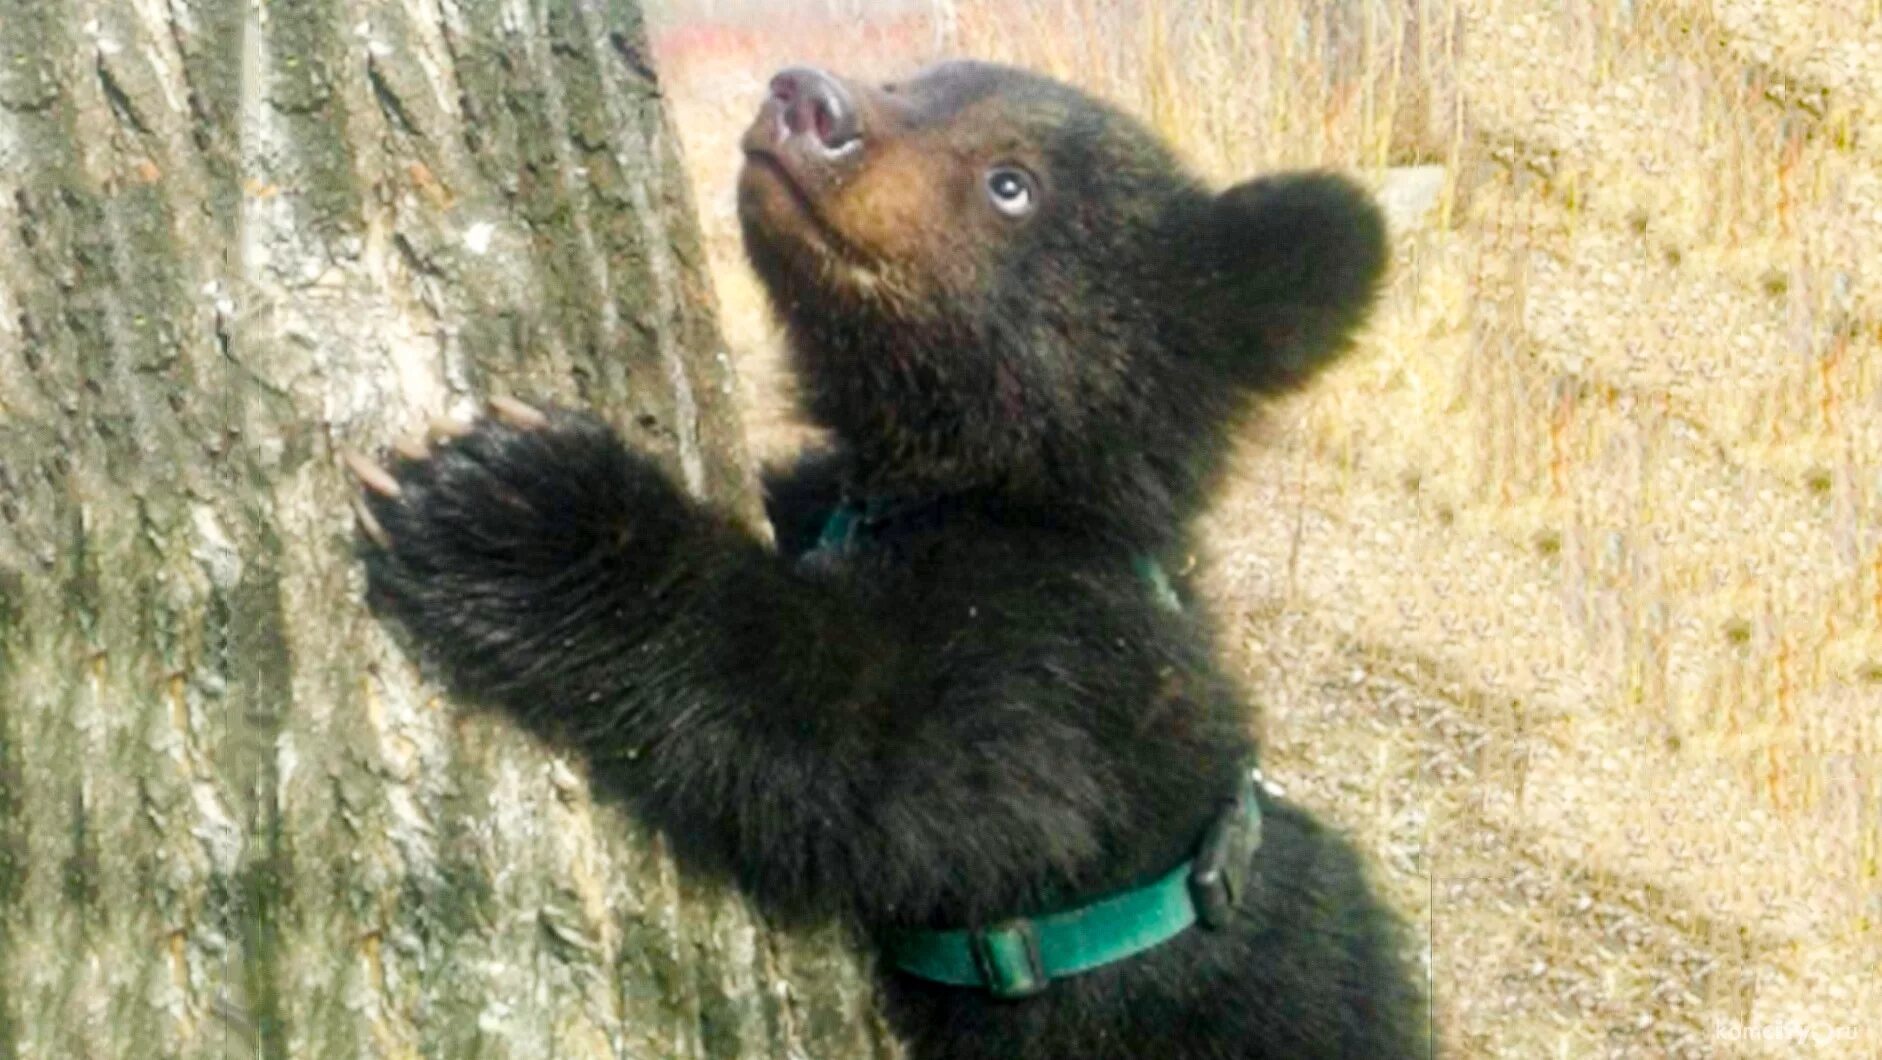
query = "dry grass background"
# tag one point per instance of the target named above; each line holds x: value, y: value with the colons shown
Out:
x: 1564, y: 593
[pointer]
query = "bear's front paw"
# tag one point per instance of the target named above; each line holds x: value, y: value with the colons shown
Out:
x: 479, y: 527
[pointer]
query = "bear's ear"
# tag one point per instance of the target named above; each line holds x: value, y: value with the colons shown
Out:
x: 1283, y: 269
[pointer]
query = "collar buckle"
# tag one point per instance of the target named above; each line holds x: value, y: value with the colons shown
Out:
x: 1223, y: 880
x: 1007, y: 955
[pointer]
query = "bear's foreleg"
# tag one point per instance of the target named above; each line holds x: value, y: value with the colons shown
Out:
x: 551, y: 572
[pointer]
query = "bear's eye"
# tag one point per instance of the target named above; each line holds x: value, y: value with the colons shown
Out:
x: 1011, y: 190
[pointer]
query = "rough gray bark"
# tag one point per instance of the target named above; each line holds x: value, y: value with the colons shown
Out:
x: 234, y: 235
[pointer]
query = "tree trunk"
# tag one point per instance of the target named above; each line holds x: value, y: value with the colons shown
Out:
x: 234, y: 820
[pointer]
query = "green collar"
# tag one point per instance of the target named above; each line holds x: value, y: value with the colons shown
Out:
x: 839, y: 528
x: 1020, y: 957
x: 849, y: 520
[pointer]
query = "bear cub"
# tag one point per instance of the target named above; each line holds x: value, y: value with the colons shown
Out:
x: 959, y: 703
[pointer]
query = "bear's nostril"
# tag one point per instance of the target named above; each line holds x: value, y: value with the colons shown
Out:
x: 826, y: 124
x: 812, y: 103
x: 833, y: 119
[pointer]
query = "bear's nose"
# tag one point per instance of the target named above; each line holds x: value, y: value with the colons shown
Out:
x: 812, y: 102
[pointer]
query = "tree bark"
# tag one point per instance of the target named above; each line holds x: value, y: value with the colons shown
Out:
x: 234, y: 819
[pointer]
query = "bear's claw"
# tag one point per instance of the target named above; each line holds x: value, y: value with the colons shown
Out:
x: 371, y: 475
x: 412, y: 446
x: 517, y: 414
x: 369, y: 525
x: 440, y: 429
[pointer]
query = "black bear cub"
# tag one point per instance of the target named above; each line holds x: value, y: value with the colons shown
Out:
x: 960, y: 704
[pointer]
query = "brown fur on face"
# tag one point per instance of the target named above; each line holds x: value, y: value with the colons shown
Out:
x: 945, y: 334
x: 902, y: 219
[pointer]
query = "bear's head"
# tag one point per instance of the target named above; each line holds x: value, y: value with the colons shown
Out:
x: 994, y: 282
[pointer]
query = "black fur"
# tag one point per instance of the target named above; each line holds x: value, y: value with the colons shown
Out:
x: 978, y: 711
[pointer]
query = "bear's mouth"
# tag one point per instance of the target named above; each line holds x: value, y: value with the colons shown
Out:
x: 766, y: 162
x: 810, y: 226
